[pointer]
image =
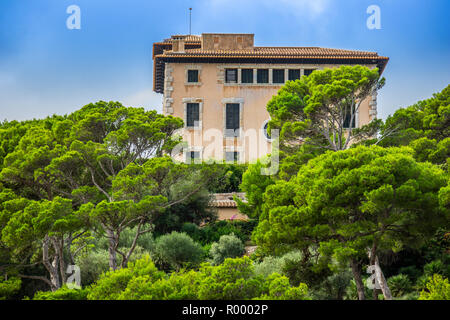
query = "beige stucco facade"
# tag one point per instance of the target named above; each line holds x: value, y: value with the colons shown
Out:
x: 212, y: 93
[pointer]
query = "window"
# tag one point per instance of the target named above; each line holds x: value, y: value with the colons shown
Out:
x: 247, y: 75
x: 262, y: 76
x: 232, y: 119
x: 231, y: 75
x: 231, y: 156
x: 266, y: 133
x: 294, y: 74
x: 278, y: 75
x: 347, y: 117
x: 192, y: 114
x: 192, y: 76
x: 307, y: 72
x: 192, y: 156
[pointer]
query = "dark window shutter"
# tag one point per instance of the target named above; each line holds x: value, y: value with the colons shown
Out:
x: 247, y: 75
x: 347, y: 117
x: 192, y: 75
x: 231, y: 75
x: 192, y: 114
x: 232, y: 116
x: 294, y: 74
x: 278, y: 75
x: 262, y: 76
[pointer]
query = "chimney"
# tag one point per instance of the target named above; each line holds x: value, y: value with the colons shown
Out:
x: 178, y: 43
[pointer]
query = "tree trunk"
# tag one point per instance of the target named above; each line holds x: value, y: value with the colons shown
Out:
x: 379, y: 277
x: 52, y: 267
x: 382, y: 281
x: 356, y: 270
x: 112, y: 250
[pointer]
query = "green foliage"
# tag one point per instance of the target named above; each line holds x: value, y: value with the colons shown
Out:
x: 92, y: 264
x: 213, y: 231
x: 9, y: 287
x: 350, y: 199
x: 426, y: 119
x: 194, y: 210
x: 312, y: 110
x: 254, y: 185
x: 399, y: 285
x: 228, y: 179
x: 63, y: 293
x: 112, y: 283
x: 229, y: 246
x: 333, y: 287
x: 175, y: 250
x: 436, y: 267
x: 437, y: 288
x: 234, y: 279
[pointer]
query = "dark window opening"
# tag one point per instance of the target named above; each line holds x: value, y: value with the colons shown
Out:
x: 232, y: 120
x: 348, y: 116
x: 307, y: 72
x: 266, y: 133
x: 192, y: 114
x: 278, y: 75
x: 294, y: 74
x: 247, y: 75
x: 231, y: 75
x: 192, y: 75
x: 262, y: 76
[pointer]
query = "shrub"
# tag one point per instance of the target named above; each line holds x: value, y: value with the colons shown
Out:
x: 438, y: 288
x: 9, y: 287
x: 64, y: 293
x: 175, y: 250
x: 213, y: 231
x: 435, y: 267
x: 112, y: 283
x: 92, y: 265
x: 278, y: 288
x: 399, y: 285
x: 179, y: 286
x: 229, y: 246
x: 269, y: 265
x: 234, y: 279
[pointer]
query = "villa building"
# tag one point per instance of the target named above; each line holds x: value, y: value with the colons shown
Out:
x: 219, y: 84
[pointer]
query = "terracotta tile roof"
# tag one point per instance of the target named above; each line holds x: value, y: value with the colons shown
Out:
x: 225, y: 200
x: 162, y: 53
x: 223, y: 203
x: 277, y: 52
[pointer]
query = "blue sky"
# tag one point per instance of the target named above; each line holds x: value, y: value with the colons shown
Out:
x: 46, y: 68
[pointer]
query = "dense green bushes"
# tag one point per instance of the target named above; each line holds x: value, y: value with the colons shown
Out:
x: 175, y: 250
x: 112, y: 283
x: 212, y: 232
x: 437, y: 288
x: 234, y: 279
x: 63, y: 293
x: 229, y: 246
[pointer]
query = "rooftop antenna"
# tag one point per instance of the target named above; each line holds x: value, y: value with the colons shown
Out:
x: 190, y: 20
